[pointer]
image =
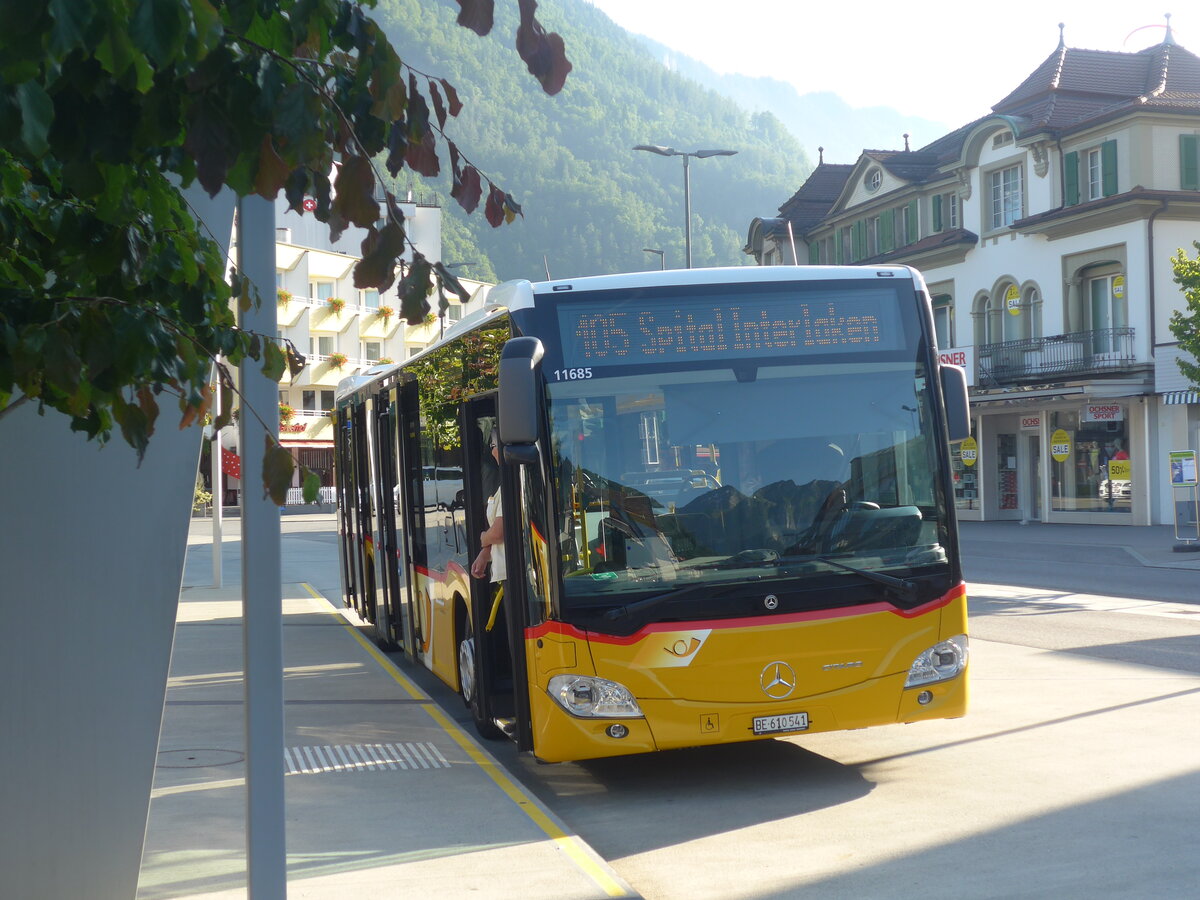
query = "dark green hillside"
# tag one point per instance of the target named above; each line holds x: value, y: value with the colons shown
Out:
x: 591, y: 202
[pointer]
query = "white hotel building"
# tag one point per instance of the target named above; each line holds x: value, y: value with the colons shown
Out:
x: 1045, y: 232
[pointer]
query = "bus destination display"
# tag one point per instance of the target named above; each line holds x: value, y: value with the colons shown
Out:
x: 600, y: 333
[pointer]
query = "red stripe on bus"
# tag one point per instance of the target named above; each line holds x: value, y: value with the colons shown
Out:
x: 562, y: 628
x: 440, y: 576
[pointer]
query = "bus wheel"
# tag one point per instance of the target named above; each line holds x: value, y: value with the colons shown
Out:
x: 468, y: 677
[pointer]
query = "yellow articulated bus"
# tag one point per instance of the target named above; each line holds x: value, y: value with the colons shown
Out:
x: 716, y: 506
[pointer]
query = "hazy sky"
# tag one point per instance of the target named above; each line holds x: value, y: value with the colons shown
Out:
x: 941, y: 60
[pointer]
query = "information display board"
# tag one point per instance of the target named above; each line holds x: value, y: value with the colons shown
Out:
x: 599, y: 333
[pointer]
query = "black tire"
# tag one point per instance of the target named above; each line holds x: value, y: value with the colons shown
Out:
x: 468, y: 677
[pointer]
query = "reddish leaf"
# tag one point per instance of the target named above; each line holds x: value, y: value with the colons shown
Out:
x: 294, y: 189
x: 212, y: 145
x: 438, y: 106
x: 452, y: 98
x: 422, y: 156
x: 397, y: 147
x: 544, y: 54
x: 272, y: 171
x: 467, y: 189
x: 414, y: 289
x: 381, y: 248
x: 494, y: 210
x: 476, y: 15
x: 355, y: 201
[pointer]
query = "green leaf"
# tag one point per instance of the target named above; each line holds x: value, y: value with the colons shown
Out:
x: 158, y: 28
x: 278, y: 467
x: 37, y: 114
x: 274, y: 363
x: 312, y: 486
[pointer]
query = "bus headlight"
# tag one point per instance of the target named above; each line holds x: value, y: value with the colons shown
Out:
x: 941, y: 662
x: 593, y: 698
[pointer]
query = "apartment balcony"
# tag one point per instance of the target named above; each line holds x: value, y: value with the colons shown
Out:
x: 1105, y: 351
x: 325, y: 318
x: 375, y: 327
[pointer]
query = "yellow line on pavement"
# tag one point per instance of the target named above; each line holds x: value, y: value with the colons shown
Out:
x: 569, y: 844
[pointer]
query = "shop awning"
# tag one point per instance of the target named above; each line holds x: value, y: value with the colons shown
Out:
x: 327, y: 445
x: 1177, y: 398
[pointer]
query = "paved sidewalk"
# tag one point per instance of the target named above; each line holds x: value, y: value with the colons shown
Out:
x: 385, y: 795
x: 1151, y: 545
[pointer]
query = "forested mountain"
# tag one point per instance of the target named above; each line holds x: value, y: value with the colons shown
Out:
x: 591, y: 203
x: 817, y: 119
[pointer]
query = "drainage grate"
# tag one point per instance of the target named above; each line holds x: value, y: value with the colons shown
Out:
x: 362, y: 758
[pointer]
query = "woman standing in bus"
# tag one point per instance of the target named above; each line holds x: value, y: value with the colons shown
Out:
x: 492, y: 539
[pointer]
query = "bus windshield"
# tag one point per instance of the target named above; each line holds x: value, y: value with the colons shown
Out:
x: 674, y: 477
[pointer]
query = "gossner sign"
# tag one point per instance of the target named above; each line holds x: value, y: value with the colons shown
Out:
x: 964, y: 357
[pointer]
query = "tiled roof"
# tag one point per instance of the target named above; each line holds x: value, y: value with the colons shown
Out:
x: 810, y: 204
x: 1074, y: 86
x: 910, y: 165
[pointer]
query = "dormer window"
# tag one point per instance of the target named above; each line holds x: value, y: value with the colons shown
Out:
x: 873, y: 180
x: 1003, y: 139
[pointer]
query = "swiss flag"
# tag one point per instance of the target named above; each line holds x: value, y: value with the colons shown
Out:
x: 231, y: 463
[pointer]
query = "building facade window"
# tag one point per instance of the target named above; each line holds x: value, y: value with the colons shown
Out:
x: 320, y: 346
x: 1090, y: 174
x: 1189, y: 162
x: 320, y: 290
x: 1006, y: 196
x: 371, y: 350
x: 308, y: 402
x: 369, y: 298
x: 1107, y: 308
x: 943, y: 320
x: 943, y: 209
x: 1089, y: 464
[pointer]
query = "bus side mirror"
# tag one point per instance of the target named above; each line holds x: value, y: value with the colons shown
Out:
x: 958, y: 406
x: 518, y: 410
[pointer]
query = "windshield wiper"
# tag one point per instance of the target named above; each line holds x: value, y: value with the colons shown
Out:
x: 620, y: 612
x: 904, y: 589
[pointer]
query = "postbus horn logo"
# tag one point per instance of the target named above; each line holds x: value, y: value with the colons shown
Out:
x: 778, y: 680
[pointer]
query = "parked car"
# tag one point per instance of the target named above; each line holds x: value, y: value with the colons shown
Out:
x: 1121, y: 489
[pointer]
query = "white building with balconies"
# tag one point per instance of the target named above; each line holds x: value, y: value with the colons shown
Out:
x: 1045, y: 232
x: 340, y: 329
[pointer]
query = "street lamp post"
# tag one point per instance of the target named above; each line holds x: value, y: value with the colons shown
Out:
x: 662, y: 256
x: 687, y: 184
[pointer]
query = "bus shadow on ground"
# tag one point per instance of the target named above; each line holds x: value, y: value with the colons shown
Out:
x: 739, y: 785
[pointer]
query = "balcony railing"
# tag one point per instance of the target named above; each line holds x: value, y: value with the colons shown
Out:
x: 1056, y: 356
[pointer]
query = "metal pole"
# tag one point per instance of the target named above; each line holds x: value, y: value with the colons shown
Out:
x: 687, y: 209
x: 262, y: 574
x: 217, y: 493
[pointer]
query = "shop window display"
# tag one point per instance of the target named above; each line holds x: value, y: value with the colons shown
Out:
x: 1090, y: 466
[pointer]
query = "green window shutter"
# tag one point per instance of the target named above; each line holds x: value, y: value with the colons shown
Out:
x: 814, y: 253
x: 1189, y: 162
x: 912, y: 222
x: 935, y: 206
x: 897, y: 227
x: 887, y: 225
x: 1108, y: 167
x: 837, y: 247
x: 1071, y: 179
x: 858, y: 240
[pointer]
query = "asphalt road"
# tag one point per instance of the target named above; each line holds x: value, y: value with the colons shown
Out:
x: 1075, y: 773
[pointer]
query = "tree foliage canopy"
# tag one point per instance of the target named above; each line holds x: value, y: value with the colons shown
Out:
x: 110, y: 295
x: 1186, y: 325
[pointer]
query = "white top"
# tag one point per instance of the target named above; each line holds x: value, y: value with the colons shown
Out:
x: 499, y: 564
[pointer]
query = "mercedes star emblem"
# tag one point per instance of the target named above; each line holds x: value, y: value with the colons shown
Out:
x: 778, y: 680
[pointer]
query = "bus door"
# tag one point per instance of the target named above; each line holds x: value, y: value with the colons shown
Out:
x: 364, y: 557
x: 409, y: 520
x: 390, y: 625
x: 343, y: 438
x: 497, y: 619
